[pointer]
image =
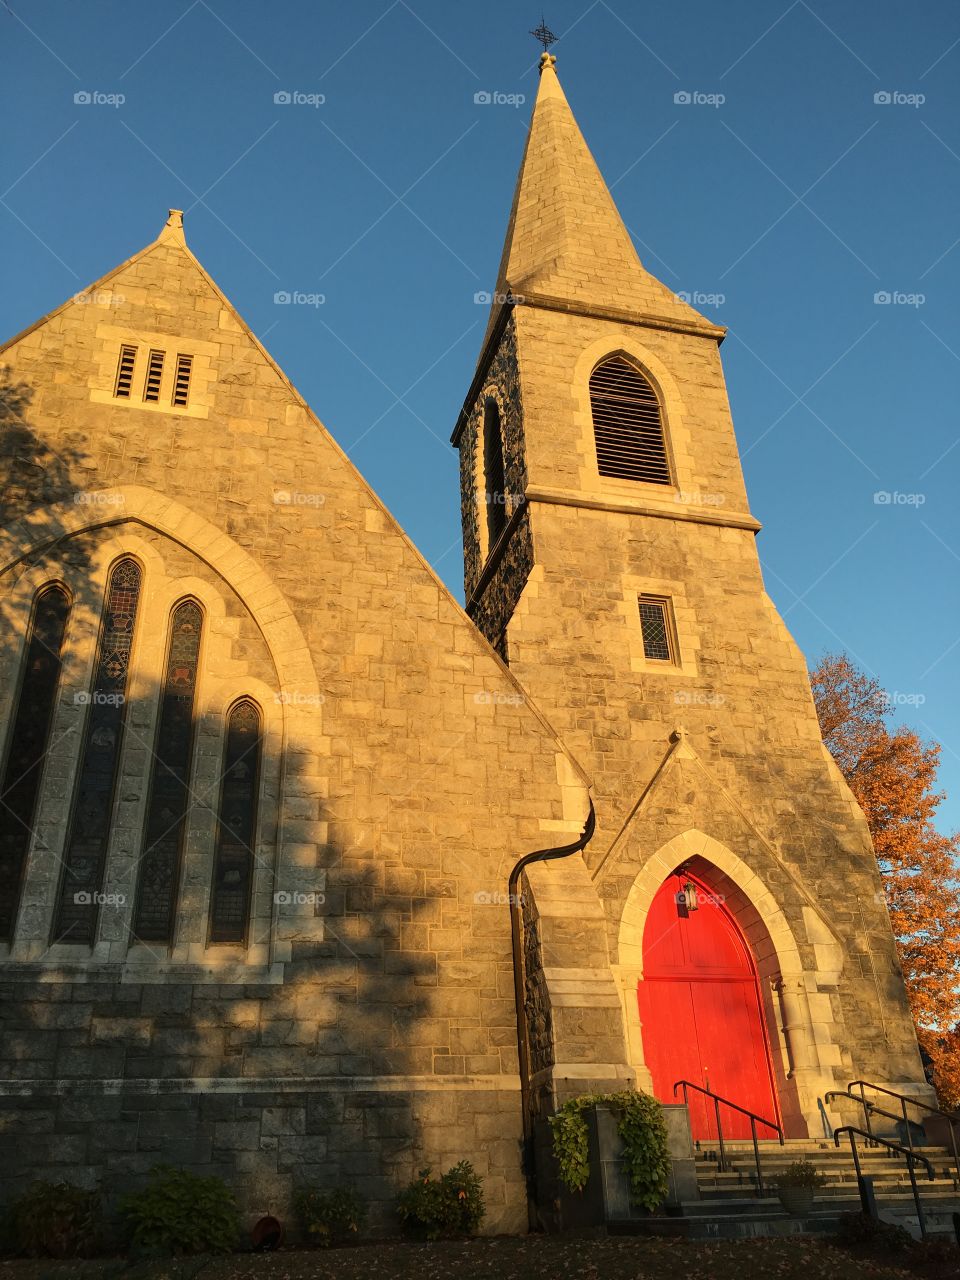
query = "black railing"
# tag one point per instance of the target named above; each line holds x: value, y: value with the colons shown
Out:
x: 865, y: 1185
x: 905, y: 1100
x: 734, y: 1106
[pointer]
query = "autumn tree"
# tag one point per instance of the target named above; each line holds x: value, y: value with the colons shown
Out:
x: 893, y: 774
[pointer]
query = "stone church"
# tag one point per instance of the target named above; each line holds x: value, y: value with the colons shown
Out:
x: 265, y: 785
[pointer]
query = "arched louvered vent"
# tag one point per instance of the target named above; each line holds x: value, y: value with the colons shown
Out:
x: 627, y: 424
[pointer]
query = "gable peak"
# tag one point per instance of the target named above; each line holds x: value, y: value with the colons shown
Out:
x: 172, y: 230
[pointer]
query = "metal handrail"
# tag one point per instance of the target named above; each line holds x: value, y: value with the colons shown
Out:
x: 753, y: 1116
x: 869, y: 1109
x: 952, y: 1117
x: 911, y: 1155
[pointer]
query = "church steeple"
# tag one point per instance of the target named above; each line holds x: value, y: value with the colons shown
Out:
x: 598, y: 400
x: 565, y: 239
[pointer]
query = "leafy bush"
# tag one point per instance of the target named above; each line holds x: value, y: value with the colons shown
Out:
x: 802, y: 1173
x: 642, y: 1130
x: 859, y: 1231
x: 445, y: 1207
x: 178, y: 1212
x: 56, y: 1220
x: 330, y: 1217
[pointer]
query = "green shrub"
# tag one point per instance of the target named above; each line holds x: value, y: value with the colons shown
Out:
x: 178, y: 1212
x: 642, y: 1130
x: 860, y: 1231
x: 445, y: 1207
x: 330, y: 1217
x: 802, y: 1173
x: 56, y: 1220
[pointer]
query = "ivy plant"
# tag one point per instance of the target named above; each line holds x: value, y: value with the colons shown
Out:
x: 642, y: 1131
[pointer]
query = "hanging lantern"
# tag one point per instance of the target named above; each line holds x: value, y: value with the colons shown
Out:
x: 689, y: 893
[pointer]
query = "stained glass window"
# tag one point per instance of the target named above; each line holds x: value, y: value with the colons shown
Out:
x: 233, y: 864
x: 655, y: 624
x: 86, y: 847
x: 20, y: 786
x: 170, y: 785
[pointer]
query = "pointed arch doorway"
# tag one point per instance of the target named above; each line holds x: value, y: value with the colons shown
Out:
x: 701, y: 1008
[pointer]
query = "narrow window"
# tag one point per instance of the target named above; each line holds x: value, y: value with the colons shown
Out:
x: 181, y: 380
x: 655, y: 624
x: 493, y: 473
x: 627, y: 424
x: 233, y: 863
x: 86, y: 844
x: 159, y: 877
x: 151, y: 387
x: 128, y: 358
x: 28, y: 745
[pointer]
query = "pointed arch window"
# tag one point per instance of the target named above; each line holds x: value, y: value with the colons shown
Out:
x: 33, y: 715
x: 86, y: 846
x: 494, y: 473
x: 236, y: 829
x: 627, y: 424
x: 160, y: 860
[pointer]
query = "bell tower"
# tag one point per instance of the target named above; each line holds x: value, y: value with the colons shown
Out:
x: 610, y: 557
x: 598, y: 404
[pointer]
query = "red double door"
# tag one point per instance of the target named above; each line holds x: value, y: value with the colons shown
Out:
x: 702, y: 1012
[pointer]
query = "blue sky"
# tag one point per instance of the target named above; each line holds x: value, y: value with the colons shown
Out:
x: 794, y: 201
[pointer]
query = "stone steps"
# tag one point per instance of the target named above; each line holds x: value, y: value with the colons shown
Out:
x: 728, y: 1210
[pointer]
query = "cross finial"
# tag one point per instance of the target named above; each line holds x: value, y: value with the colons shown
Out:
x: 544, y: 35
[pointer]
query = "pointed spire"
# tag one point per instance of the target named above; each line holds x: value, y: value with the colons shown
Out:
x: 565, y: 239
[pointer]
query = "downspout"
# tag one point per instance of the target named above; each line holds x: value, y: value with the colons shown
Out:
x: 519, y: 976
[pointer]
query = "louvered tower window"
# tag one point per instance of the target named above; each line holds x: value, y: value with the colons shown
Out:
x: 86, y: 845
x: 128, y: 358
x: 627, y: 424
x: 494, y: 478
x: 181, y: 380
x: 159, y: 877
x: 151, y: 388
x: 236, y: 831
x: 20, y: 785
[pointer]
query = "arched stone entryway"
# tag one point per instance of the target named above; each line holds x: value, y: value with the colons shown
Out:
x: 783, y: 983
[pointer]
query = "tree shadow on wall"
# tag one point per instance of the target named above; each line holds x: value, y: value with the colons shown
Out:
x: 352, y: 1009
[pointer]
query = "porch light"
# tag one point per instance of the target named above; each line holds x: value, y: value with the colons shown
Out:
x: 689, y: 894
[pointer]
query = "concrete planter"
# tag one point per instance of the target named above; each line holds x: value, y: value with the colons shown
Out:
x: 797, y: 1201
x: 606, y: 1197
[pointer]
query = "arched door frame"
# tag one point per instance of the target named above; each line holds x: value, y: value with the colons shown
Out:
x: 801, y: 1079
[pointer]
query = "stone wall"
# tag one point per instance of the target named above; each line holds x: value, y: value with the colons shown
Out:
x: 404, y: 773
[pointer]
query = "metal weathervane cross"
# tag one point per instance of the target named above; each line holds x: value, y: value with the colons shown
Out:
x: 544, y: 35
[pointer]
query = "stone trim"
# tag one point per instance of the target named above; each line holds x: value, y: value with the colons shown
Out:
x: 256, y: 589
x: 546, y: 302
x: 636, y: 507
x: 258, y: 1084
x: 692, y: 844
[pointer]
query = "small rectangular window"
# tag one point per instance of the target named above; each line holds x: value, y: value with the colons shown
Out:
x: 151, y: 388
x: 181, y: 381
x: 128, y: 358
x: 655, y: 623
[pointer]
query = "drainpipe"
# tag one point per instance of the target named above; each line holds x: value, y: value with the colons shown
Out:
x: 516, y: 930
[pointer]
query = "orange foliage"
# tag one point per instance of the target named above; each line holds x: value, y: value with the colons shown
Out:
x: 893, y: 776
